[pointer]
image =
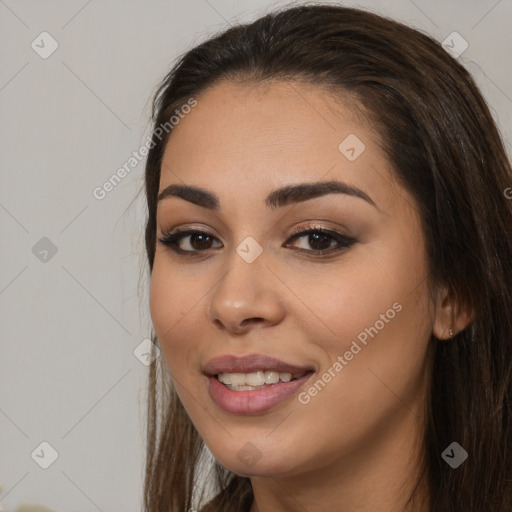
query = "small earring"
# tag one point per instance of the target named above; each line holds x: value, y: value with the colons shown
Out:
x: 450, y: 332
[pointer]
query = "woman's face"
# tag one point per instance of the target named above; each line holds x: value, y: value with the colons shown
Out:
x: 350, y: 306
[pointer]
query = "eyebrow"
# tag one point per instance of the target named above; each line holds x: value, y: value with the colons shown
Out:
x: 276, y: 199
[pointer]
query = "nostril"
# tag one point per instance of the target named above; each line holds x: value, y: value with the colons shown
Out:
x: 255, y: 319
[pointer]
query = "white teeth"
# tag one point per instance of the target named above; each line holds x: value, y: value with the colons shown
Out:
x: 253, y: 380
x: 272, y: 377
x: 237, y: 379
x: 225, y: 378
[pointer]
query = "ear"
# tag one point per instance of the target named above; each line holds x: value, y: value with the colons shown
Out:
x: 449, y: 314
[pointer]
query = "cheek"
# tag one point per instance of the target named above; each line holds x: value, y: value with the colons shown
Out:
x: 172, y: 300
x: 162, y: 299
x: 382, y: 316
x: 346, y: 299
x: 378, y: 314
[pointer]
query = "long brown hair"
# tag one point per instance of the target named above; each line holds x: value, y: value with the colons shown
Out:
x: 446, y: 150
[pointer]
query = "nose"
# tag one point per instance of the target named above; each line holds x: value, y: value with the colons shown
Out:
x: 246, y: 297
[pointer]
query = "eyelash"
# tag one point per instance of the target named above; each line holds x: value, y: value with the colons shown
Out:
x: 172, y: 240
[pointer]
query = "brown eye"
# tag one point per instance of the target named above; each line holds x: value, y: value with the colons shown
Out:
x: 321, y: 240
x: 317, y: 241
x: 199, y: 241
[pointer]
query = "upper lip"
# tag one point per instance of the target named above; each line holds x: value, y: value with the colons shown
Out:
x: 251, y: 363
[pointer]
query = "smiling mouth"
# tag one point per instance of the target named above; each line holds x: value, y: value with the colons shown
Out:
x: 256, y: 380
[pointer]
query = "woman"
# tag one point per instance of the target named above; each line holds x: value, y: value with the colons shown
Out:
x: 329, y: 242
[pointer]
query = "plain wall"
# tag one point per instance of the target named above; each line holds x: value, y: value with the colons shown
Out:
x: 70, y: 322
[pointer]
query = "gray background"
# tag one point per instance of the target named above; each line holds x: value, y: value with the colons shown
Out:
x: 70, y: 323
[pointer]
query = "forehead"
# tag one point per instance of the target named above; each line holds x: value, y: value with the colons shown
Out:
x: 250, y: 138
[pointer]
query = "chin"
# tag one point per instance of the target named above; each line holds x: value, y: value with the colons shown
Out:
x: 255, y: 458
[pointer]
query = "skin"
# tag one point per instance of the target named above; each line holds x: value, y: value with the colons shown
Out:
x: 355, y: 445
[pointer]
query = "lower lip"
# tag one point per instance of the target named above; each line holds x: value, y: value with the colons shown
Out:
x: 253, y: 402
